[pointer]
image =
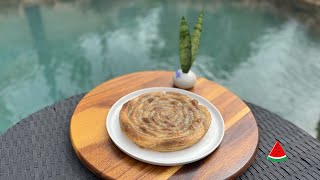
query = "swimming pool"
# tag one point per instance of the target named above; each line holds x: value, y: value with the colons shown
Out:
x: 50, y: 52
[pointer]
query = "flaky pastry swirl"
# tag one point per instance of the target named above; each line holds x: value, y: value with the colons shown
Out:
x: 164, y: 121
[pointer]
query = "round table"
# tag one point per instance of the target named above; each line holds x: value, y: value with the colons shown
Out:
x: 39, y: 147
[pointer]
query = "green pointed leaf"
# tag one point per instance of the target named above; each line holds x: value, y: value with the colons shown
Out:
x: 195, y: 39
x: 185, y: 46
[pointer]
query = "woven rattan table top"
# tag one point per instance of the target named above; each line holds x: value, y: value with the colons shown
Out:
x: 39, y: 147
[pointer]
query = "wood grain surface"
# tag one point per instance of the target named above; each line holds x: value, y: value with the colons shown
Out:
x: 95, y: 149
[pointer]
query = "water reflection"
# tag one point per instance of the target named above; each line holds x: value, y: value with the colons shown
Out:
x: 130, y: 46
x: 68, y: 48
x: 282, y: 74
x: 34, y: 18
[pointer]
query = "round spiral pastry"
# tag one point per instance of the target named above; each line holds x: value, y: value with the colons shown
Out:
x: 164, y: 121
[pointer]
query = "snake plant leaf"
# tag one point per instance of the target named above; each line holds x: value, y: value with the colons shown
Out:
x: 185, y: 46
x: 195, y: 38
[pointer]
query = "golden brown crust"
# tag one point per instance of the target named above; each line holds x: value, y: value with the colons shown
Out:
x: 164, y: 121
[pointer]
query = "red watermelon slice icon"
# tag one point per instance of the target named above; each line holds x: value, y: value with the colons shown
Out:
x: 277, y: 154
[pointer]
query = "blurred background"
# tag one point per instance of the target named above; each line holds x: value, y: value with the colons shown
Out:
x: 267, y: 52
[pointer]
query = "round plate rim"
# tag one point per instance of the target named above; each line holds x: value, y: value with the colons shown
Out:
x: 220, y: 118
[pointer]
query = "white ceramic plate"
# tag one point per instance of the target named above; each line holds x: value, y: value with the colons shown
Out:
x: 201, y: 149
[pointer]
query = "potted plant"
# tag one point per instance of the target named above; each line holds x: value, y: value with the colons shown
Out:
x: 184, y: 78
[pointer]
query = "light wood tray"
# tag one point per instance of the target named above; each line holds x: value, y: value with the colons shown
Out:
x: 95, y: 149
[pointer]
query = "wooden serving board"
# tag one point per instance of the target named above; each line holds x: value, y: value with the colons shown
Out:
x: 96, y: 150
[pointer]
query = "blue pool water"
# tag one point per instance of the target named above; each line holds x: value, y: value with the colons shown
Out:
x: 51, y: 52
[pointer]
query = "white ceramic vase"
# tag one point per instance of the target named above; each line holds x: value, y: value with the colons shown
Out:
x: 184, y: 80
